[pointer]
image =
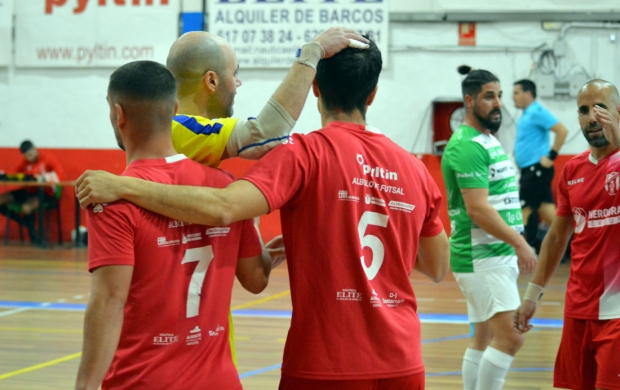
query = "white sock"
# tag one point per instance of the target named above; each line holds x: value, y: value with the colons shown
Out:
x: 493, y: 368
x: 471, y: 360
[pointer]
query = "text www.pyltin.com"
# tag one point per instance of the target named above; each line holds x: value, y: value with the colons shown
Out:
x: 98, y: 52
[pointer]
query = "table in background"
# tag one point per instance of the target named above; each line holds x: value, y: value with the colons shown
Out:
x: 41, y: 185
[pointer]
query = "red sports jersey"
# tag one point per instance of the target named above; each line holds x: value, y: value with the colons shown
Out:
x: 46, y: 166
x: 353, y: 205
x: 175, y: 329
x: 590, y: 192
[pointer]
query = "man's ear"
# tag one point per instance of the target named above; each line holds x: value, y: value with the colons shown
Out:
x: 176, y: 108
x: 121, y: 117
x: 469, y: 101
x: 211, y: 81
x: 315, y: 88
x: 371, y: 98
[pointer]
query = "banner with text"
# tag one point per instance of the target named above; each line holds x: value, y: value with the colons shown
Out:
x: 93, y: 33
x: 267, y: 33
x: 6, y: 29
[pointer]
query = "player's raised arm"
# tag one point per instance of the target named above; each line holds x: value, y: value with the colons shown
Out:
x: 254, y: 137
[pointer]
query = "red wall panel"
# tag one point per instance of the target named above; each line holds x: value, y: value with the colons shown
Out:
x: 76, y: 161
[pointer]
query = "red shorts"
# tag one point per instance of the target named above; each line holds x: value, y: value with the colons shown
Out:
x: 589, y: 355
x: 411, y: 382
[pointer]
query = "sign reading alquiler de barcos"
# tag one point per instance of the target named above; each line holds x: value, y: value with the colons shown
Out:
x: 267, y: 33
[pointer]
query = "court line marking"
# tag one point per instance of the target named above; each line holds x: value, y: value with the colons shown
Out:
x: 18, y: 310
x: 519, y: 369
x: 46, y: 305
x: 260, y: 371
x: 428, y: 374
x: 427, y: 318
x: 40, y: 366
x: 262, y: 300
x: 449, y: 338
x: 432, y: 374
x: 238, y: 311
x: 40, y: 330
x: 25, y: 305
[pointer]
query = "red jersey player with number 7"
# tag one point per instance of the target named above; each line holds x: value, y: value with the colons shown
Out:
x: 358, y: 214
x: 157, y: 317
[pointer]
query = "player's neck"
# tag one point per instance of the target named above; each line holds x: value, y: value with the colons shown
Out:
x: 334, y: 116
x: 190, y: 105
x: 158, y: 145
x: 601, y: 153
x: 527, y: 105
x: 471, y: 121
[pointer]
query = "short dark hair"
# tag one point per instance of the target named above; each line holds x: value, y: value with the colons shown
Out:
x: 347, y: 79
x: 142, y: 81
x: 26, y: 146
x: 527, y: 85
x: 472, y: 84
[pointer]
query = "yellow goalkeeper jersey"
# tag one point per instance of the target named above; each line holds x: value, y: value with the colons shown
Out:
x: 202, y: 139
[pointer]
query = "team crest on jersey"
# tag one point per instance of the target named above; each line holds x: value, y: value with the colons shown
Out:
x: 360, y: 159
x: 612, y: 183
x: 580, y: 219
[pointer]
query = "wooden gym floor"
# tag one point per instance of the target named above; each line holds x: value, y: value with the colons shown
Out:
x: 43, y: 294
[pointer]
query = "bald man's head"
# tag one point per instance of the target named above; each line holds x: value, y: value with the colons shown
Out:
x: 192, y: 55
x: 205, y: 68
x: 599, y: 93
x: 602, y: 87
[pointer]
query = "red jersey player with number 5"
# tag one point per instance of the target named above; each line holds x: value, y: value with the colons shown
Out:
x: 358, y: 214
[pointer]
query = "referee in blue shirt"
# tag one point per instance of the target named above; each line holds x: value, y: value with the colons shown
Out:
x: 533, y: 153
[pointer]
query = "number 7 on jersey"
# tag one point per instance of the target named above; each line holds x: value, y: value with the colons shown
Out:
x: 204, y: 256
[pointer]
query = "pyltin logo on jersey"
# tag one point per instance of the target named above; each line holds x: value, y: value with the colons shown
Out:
x: 375, y: 171
x: 80, y: 5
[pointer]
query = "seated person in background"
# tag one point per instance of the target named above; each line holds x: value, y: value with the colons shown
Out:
x: 37, y: 165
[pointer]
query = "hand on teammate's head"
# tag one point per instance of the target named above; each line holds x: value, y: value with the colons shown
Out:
x: 335, y: 39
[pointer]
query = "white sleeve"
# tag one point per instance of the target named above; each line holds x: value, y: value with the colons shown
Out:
x: 254, y: 137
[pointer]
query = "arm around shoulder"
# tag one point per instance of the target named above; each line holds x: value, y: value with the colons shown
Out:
x: 434, y: 256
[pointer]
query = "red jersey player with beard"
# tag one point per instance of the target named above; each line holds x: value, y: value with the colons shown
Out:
x: 589, y: 207
x: 358, y: 214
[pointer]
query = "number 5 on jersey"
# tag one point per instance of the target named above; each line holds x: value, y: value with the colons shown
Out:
x: 204, y: 256
x: 373, y: 242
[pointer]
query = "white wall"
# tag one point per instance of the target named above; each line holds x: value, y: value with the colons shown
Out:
x: 67, y: 108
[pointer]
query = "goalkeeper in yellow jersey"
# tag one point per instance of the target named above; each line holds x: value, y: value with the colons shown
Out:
x: 205, y: 68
